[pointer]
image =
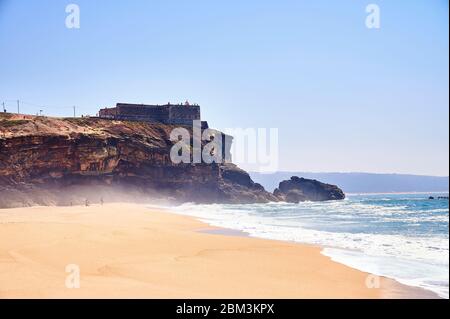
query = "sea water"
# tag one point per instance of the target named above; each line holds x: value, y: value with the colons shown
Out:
x: 400, y: 236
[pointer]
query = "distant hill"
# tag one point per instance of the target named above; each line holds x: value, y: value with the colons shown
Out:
x: 362, y: 182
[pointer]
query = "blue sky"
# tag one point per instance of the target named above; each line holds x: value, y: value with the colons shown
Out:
x: 344, y: 97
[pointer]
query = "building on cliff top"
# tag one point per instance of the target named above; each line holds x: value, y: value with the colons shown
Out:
x: 178, y: 114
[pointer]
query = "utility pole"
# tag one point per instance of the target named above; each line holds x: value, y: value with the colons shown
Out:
x: 18, y: 107
x: 74, y: 111
x: 4, y: 110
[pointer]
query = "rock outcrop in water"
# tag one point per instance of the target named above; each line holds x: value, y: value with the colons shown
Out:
x: 56, y: 161
x: 299, y: 189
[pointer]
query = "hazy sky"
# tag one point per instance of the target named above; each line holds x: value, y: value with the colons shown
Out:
x: 344, y: 97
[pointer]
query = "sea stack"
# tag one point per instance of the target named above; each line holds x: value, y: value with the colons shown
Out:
x: 299, y: 189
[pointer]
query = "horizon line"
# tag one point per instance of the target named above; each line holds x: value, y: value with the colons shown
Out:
x: 372, y: 173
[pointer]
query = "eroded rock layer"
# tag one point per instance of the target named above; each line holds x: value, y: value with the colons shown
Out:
x: 53, y: 161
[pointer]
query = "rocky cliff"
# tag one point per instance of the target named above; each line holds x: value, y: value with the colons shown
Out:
x: 301, y: 189
x: 56, y: 161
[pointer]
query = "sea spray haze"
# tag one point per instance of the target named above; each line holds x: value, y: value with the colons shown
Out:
x: 401, y: 236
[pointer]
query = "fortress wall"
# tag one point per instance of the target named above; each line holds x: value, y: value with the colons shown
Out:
x: 184, y: 114
x: 168, y: 114
x: 107, y: 113
x: 152, y: 113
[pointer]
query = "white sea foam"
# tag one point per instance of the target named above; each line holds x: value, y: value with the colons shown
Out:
x: 341, y: 227
x: 423, y: 274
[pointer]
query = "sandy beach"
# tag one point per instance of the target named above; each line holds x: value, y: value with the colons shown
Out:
x: 131, y: 251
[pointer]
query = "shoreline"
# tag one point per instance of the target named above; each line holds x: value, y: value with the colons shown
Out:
x: 133, y: 251
x: 407, y: 291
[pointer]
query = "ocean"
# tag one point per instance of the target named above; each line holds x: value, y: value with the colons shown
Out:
x: 400, y: 236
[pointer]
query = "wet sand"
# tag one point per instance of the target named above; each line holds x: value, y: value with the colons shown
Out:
x: 132, y: 251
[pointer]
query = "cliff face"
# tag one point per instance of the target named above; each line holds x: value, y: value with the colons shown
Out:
x: 51, y: 161
x: 301, y: 189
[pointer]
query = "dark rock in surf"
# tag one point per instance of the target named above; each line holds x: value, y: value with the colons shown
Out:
x: 299, y: 189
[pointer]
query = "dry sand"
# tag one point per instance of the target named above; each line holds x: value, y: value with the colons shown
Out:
x: 130, y: 251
